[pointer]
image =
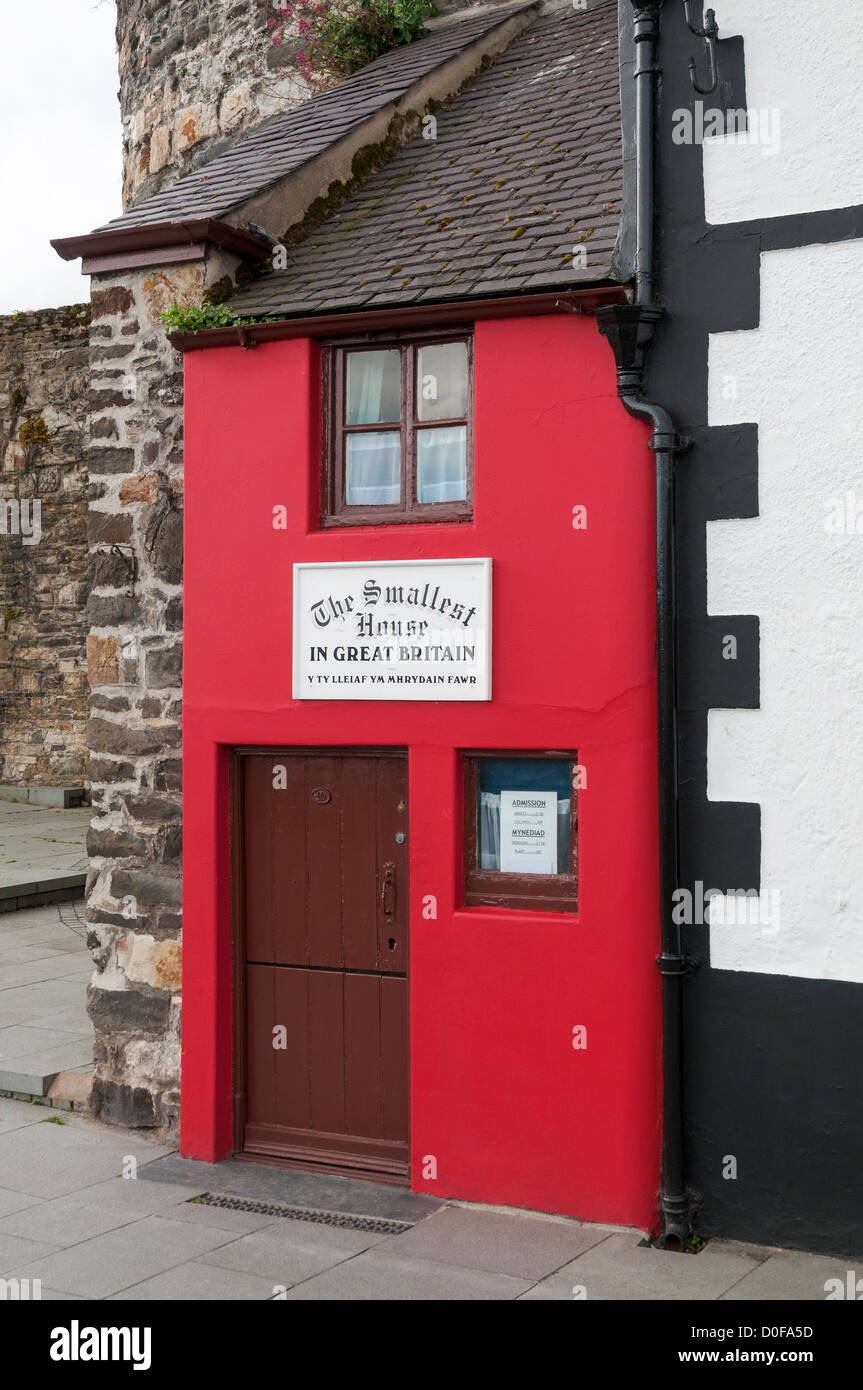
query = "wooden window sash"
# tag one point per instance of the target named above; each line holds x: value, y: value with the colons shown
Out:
x: 525, y: 892
x: 335, y: 511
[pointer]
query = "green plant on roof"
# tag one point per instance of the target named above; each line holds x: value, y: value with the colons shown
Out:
x: 330, y: 41
x: 195, y: 318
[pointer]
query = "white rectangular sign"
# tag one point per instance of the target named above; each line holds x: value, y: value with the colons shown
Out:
x: 528, y: 832
x: 393, y: 630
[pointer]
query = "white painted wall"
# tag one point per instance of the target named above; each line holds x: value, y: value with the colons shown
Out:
x: 799, y: 376
x: 804, y: 59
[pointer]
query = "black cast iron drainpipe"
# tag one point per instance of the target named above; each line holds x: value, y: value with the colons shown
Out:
x: 629, y: 329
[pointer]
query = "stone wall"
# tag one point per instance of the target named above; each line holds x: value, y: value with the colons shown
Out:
x: 43, y: 547
x: 135, y: 663
x: 192, y: 76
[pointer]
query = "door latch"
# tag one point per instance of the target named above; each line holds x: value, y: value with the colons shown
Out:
x: 388, y: 890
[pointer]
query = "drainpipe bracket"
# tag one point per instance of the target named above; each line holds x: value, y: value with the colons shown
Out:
x: 670, y: 963
x: 664, y: 441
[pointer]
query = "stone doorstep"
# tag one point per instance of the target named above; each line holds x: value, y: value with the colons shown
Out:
x: 45, y: 796
x: 37, y: 892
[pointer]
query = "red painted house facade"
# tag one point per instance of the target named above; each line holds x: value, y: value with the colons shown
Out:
x: 534, y: 1034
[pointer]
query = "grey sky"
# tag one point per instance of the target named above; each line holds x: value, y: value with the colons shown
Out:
x: 60, y: 143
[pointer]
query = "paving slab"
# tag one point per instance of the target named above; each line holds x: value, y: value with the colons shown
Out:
x: 389, y: 1278
x: 61, y: 966
x: 15, y: 1201
x: 525, y: 1246
x: 51, y: 1160
x: 620, y: 1268
x: 44, y: 969
x: 793, y: 1276
x: 15, y: 1115
x: 194, y: 1281
x: 65, y: 1221
x: 42, y: 853
x: 17, y: 1251
x: 20, y: 1041
x: 122, y: 1257
x: 20, y: 955
x: 133, y: 1195
x: 291, y: 1250
x: 33, y: 1073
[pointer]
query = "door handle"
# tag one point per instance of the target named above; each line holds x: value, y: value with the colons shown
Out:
x: 388, y: 890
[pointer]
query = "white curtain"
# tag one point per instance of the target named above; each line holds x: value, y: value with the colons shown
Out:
x: 489, y: 833
x: 441, y: 465
x: 364, y: 405
x: 373, y: 469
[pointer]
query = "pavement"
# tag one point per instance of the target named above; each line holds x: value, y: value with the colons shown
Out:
x: 100, y: 1213
x: 42, y: 853
x: 45, y: 1032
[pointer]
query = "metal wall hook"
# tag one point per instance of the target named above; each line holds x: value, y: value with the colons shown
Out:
x: 710, y: 33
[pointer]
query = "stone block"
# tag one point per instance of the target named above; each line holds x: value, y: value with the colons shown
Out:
x: 164, y: 669
x: 139, y: 488
x: 14, y: 458
x: 164, y: 541
x: 112, y: 569
x: 128, y: 1011
x: 160, y: 289
x: 150, y: 889
x: 194, y: 123
x: 117, y: 844
x: 112, y: 611
x: 106, y: 528
x: 116, y: 300
x: 102, y: 660
x: 160, y: 148
x: 106, y: 736
x: 238, y: 107
x: 121, y: 1104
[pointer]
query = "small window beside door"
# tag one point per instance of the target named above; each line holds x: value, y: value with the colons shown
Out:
x: 397, y: 431
x: 520, y: 830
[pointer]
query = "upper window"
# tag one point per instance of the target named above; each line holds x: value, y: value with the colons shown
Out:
x: 397, y: 430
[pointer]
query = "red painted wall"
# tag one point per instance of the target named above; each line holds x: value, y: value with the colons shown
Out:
x: 500, y: 1098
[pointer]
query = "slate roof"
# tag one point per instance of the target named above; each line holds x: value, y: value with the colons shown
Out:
x: 283, y: 144
x: 526, y: 167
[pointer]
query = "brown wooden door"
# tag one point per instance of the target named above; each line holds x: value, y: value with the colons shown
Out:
x: 325, y: 907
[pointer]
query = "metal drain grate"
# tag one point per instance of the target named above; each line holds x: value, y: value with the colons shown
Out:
x: 375, y: 1224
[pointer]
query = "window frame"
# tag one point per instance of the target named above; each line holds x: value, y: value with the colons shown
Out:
x: 335, y: 511
x: 527, y: 892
